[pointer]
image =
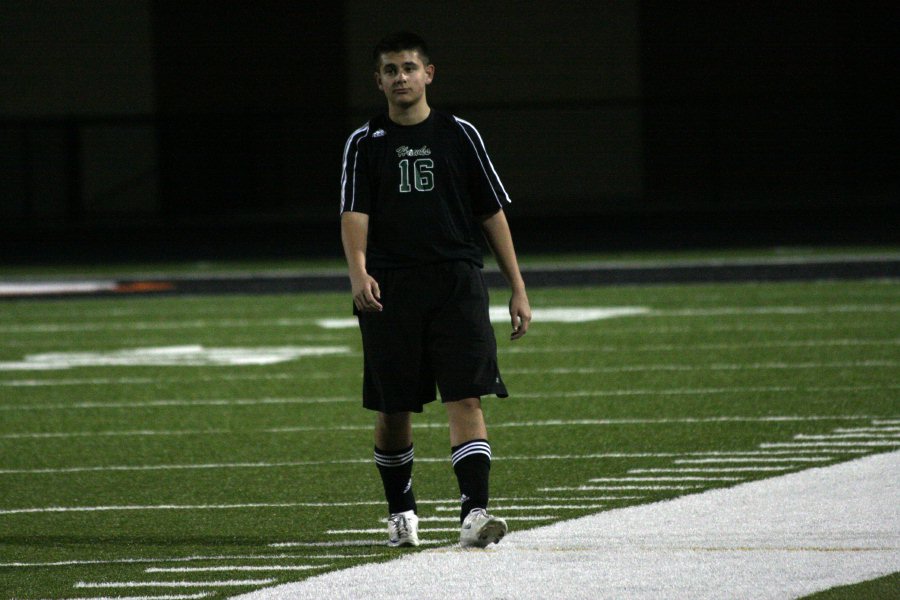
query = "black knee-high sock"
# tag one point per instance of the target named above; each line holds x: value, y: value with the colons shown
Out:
x: 396, y: 475
x: 472, y: 464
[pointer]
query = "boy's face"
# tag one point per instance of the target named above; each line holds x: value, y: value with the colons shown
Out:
x: 402, y: 76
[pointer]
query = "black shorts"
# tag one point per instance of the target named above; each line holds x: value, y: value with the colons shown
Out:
x: 434, y: 330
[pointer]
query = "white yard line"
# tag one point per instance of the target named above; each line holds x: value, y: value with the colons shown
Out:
x: 173, y: 584
x: 234, y: 568
x: 421, y: 425
x: 163, y: 597
x: 777, y: 538
x: 783, y: 459
x: 420, y: 459
x: 129, y: 561
x: 859, y: 364
x: 686, y: 478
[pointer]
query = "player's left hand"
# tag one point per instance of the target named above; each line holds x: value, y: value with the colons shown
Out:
x: 520, y: 314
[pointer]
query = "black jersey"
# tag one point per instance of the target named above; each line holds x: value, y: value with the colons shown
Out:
x: 423, y: 187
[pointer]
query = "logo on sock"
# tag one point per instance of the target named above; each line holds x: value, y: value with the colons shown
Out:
x: 408, y: 486
x: 464, y: 499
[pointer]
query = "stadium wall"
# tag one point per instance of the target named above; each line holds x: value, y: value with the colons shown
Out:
x: 182, y: 126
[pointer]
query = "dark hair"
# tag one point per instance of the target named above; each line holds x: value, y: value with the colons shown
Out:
x: 398, y: 42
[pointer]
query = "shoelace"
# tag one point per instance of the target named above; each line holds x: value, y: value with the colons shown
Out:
x: 401, y: 524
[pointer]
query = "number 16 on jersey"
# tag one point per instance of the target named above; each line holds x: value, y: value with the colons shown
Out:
x: 423, y: 175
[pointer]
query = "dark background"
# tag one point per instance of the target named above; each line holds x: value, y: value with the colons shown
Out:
x: 165, y: 129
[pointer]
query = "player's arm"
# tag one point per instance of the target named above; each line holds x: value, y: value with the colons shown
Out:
x: 496, y: 230
x: 354, y: 236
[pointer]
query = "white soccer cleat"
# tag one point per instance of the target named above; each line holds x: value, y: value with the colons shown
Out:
x: 480, y: 529
x: 403, y: 529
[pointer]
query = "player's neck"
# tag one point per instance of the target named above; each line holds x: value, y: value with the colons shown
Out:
x: 409, y: 115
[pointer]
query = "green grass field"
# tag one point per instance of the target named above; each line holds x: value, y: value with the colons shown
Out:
x: 228, y: 477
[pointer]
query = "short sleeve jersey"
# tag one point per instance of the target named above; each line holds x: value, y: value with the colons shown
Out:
x: 423, y: 187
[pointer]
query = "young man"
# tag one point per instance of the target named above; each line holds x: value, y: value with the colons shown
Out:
x: 417, y: 188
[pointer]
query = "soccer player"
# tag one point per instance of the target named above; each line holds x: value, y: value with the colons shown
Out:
x: 417, y: 188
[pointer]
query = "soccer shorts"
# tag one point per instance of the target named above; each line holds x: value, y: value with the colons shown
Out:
x: 434, y: 331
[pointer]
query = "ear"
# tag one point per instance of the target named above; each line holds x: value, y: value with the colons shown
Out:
x: 378, y: 81
x: 429, y: 74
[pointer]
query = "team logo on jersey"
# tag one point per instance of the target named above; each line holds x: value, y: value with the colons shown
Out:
x: 407, y: 151
x: 378, y: 133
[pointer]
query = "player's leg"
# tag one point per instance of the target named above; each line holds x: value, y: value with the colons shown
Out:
x: 394, y: 459
x: 471, y: 460
x: 396, y: 382
x: 463, y: 352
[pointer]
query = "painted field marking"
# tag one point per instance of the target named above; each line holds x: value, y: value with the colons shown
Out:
x: 183, y: 403
x: 347, y: 543
x: 501, y: 313
x: 529, y: 507
x: 769, y: 534
x: 512, y: 518
x: 860, y: 364
x: 622, y: 488
x: 382, y: 530
x: 843, y: 342
x: 681, y: 478
x: 167, y: 507
x: 163, y: 597
x: 423, y: 459
x: 784, y: 459
x: 867, y: 429
x: 886, y: 422
x: 128, y: 561
x: 709, y: 470
x: 862, y: 444
x: 171, y: 356
x: 582, y: 314
x: 173, y: 584
x: 234, y: 568
x: 848, y: 436
x: 568, y: 499
x: 421, y: 425
x: 42, y: 288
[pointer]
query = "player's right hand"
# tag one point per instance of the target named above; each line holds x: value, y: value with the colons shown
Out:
x: 366, y: 294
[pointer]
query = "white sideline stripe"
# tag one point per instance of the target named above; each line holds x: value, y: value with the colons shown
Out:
x: 326, y: 400
x: 236, y: 568
x: 859, y: 364
x: 710, y: 470
x: 128, y: 561
x: 829, y: 444
x: 500, y: 311
x: 867, y: 429
x: 163, y: 597
x: 511, y: 518
x: 623, y: 488
x: 422, y: 459
x: 423, y: 425
x: 605, y: 488
x: 347, y: 543
x: 848, y: 436
x: 65, y: 509
x: 40, y: 288
x: 529, y: 507
x: 382, y: 530
x: 685, y: 478
x: 704, y: 391
x: 140, y: 584
x: 181, y: 403
x: 762, y: 539
x: 886, y: 422
x: 786, y: 459
x: 682, y: 347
